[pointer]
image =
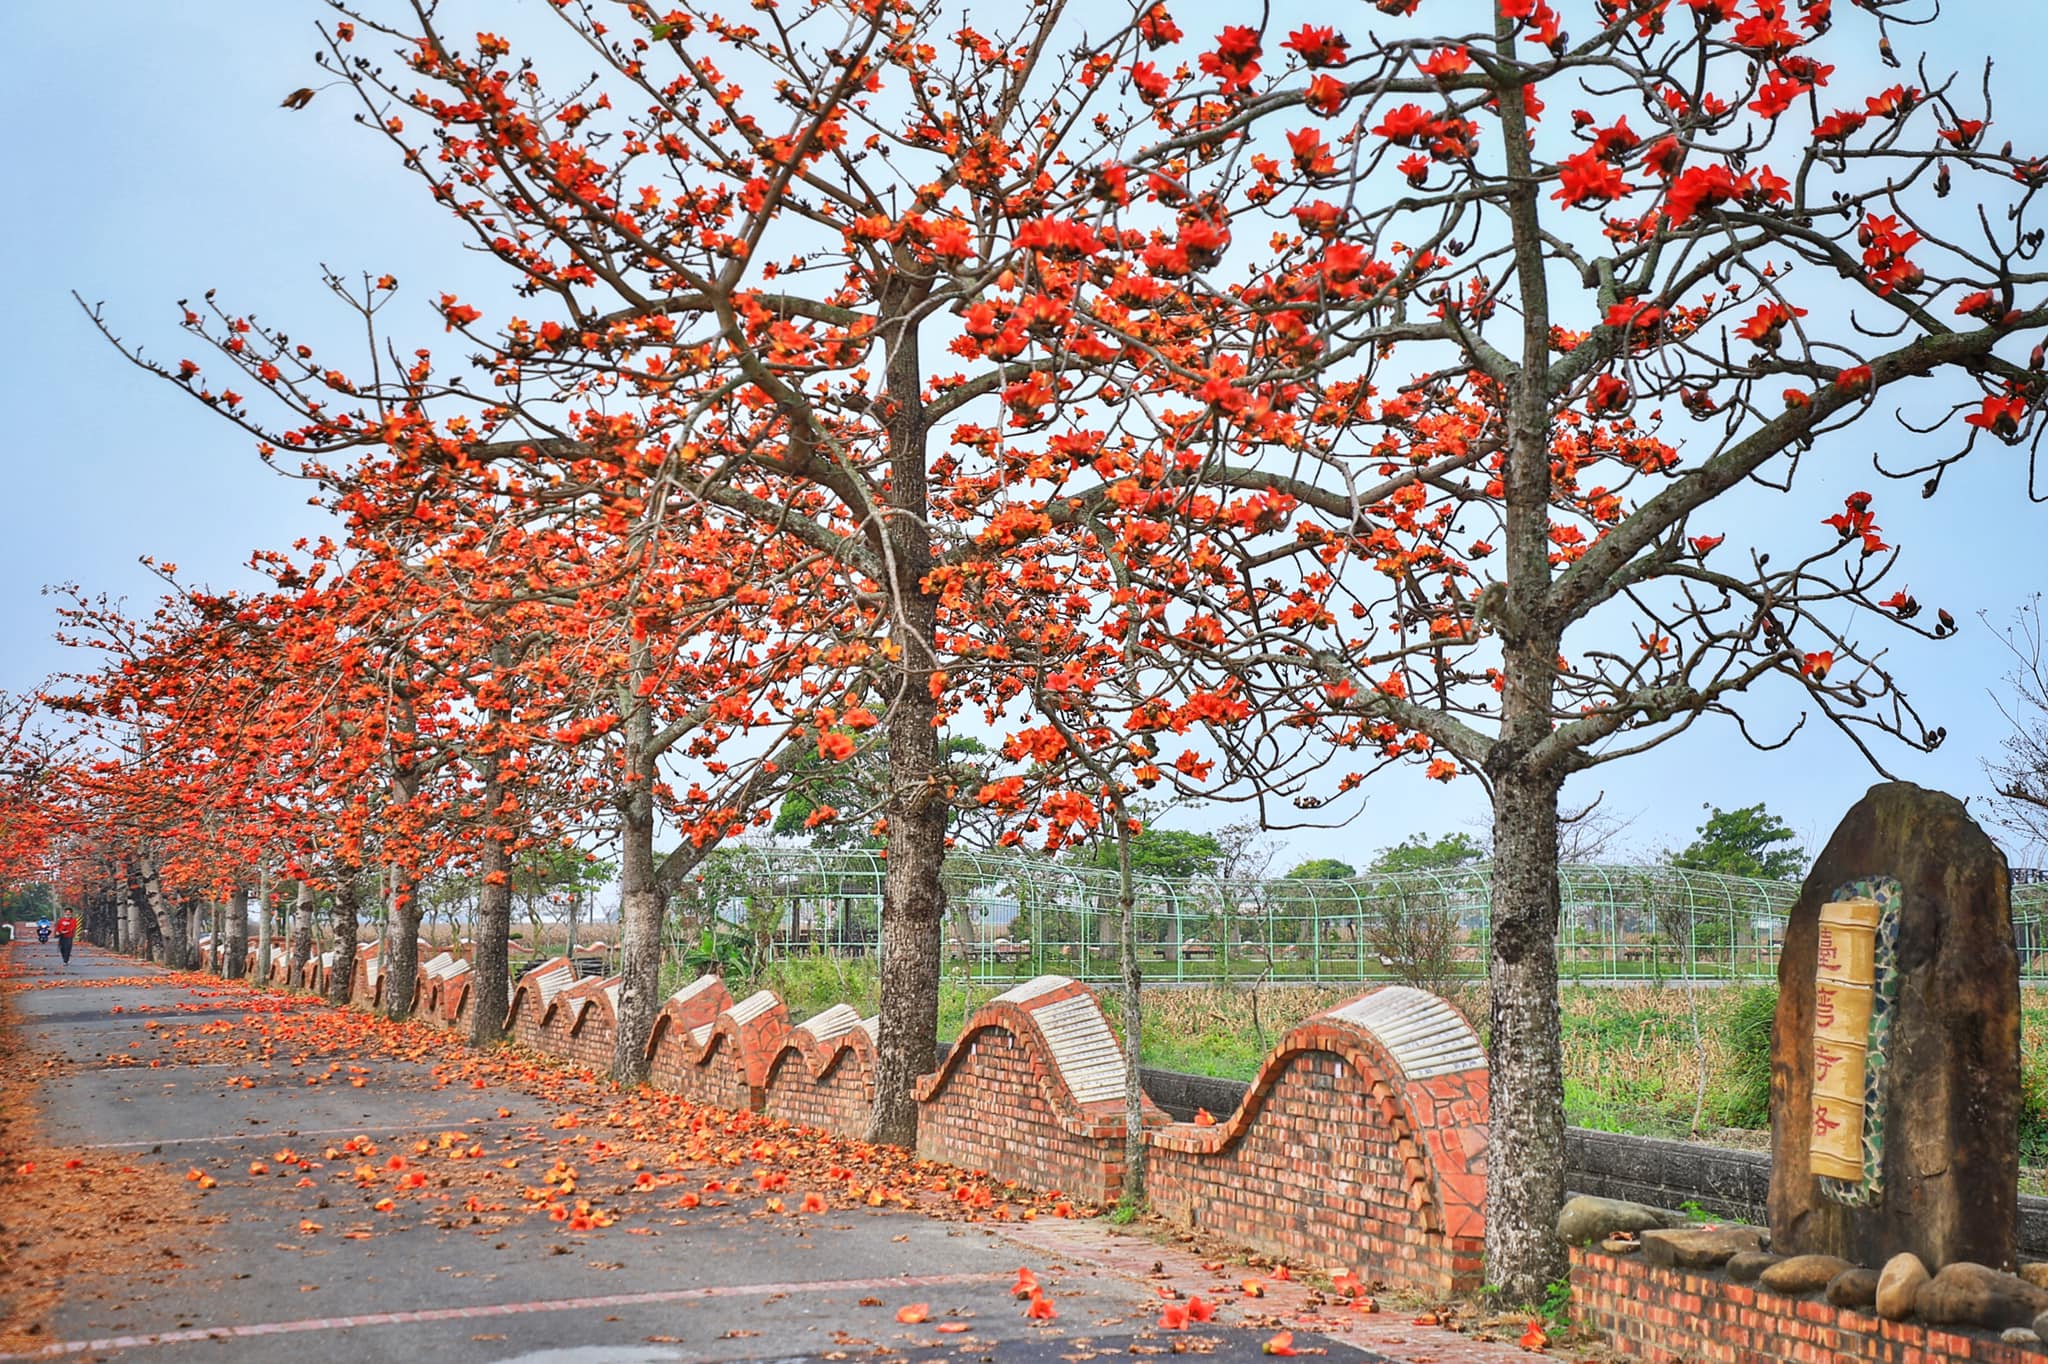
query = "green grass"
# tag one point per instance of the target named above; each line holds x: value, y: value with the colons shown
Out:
x: 1631, y: 1060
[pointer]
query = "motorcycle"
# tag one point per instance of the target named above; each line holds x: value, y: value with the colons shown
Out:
x: 42, y: 933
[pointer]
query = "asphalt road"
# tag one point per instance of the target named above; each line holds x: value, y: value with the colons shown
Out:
x: 716, y: 1285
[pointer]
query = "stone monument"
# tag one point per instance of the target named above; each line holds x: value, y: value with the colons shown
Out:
x: 1895, y: 1060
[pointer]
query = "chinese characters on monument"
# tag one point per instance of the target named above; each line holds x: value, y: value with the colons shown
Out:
x: 1844, y: 977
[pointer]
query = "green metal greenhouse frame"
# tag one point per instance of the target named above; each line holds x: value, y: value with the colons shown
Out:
x: 1013, y: 917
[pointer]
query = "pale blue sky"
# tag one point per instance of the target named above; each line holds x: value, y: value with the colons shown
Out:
x: 152, y: 162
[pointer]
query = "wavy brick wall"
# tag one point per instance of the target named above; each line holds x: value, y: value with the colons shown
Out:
x: 1033, y: 1092
x: 578, y: 1020
x: 532, y: 998
x: 724, y: 1064
x: 823, y: 1075
x: 1363, y: 1139
x: 1671, y: 1316
x: 670, y: 1047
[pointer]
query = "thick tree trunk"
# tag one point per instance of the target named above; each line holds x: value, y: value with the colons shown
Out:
x: 237, y: 959
x: 302, y: 937
x: 169, y: 918
x: 642, y: 906
x: 195, y: 924
x: 133, y: 941
x: 913, y: 914
x: 141, y: 918
x: 1134, y: 1021
x: 400, y: 970
x: 1525, y: 1158
x: 912, y: 906
x: 490, y: 976
x: 263, y: 920
x: 913, y: 894
x: 342, y: 915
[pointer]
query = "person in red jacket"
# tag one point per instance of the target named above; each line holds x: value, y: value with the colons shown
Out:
x: 67, y: 929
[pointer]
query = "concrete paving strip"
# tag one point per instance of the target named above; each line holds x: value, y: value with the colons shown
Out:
x: 506, y: 1309
x: 284, y: 1134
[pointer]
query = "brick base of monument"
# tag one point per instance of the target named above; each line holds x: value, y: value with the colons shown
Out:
x: 1671, y: 1316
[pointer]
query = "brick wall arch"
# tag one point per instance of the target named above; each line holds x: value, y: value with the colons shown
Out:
x: 1363, y: 1140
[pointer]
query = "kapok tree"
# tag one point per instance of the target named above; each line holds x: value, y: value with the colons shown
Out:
x: 1541, y: 295
x: 747, y: 257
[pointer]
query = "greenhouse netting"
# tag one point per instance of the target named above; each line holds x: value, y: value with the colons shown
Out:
x: 1013, y: 917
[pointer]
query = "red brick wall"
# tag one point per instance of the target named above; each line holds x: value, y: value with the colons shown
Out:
x: 668, y: 1043
x: 527, y: 1008
x: 1336, y: 1152
x: 590, y: 1039
x: 716, y: 1080
x: 1671, y: 1316
x: 1314, y: 1173
x: 672, y: 1057
x: 989, y: 1108
x: 840, y: 1098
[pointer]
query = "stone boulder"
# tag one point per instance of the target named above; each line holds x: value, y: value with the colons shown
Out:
x: 1699, y: 1247
x: 1897, y: 1285
x: 1966, y: 1294
x: 1744, y: 1267
x: 1951, y: 1114
x: 1586, y: 1219
x: 1855, y: 1288
x: 1803, y: 1273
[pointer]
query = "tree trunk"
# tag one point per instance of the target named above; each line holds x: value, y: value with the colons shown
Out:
x: 642, y: 903
x: 237, y: 959
x: 490, y: 976
x: 913, y: 895
x: 302, y: 937
x: 263, y: 917
x: 401, y: 966
x: 342, y: 914
x: 1525, y: 1159
x: 169, y: 918
x: 1133, y: 1196
x: 913, y: 912
x: 141, y: 918
x: 195, y: 921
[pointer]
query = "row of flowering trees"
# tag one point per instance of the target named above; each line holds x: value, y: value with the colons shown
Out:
x: 1200, y: 407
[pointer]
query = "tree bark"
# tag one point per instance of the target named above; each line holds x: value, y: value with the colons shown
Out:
x: 401, y: 966
x: 913, y: 895
x: 1525, y: 1158
x: 1132, y: 971
x: 169, y: 918
x: 141, y: 918
x: 642, y: 904
x: 263, y: 918
x: 302, y: 936
x: 237, y: 958
x: 490, y: 976
x: 129, y: 925
x: 342, y: 915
